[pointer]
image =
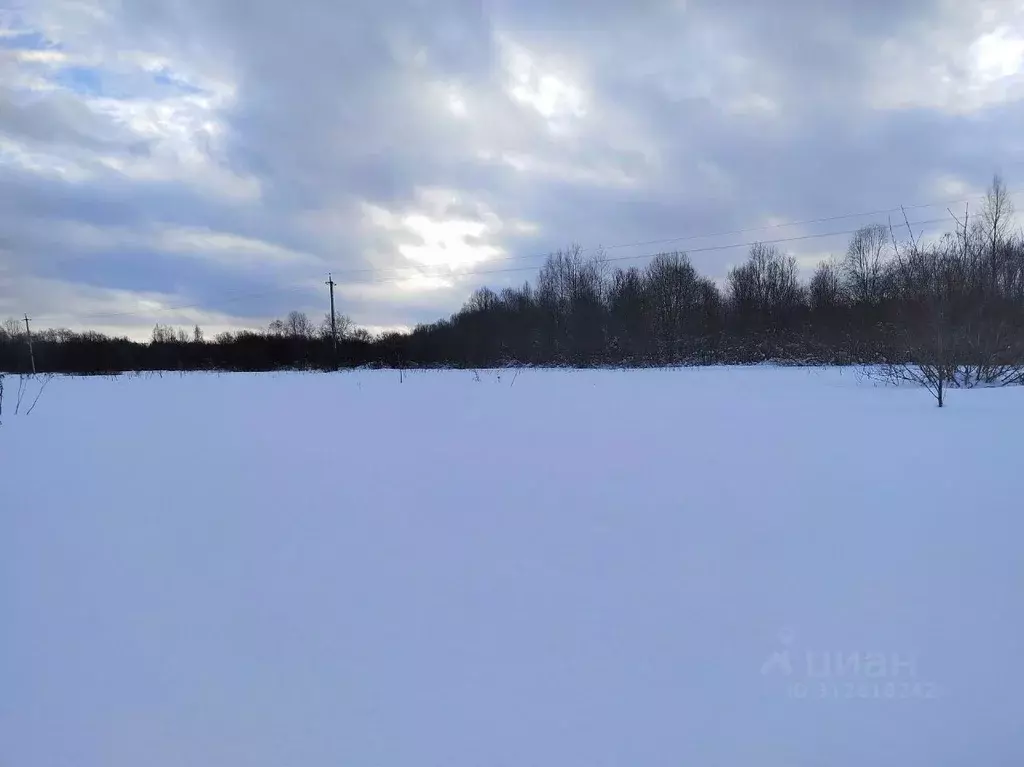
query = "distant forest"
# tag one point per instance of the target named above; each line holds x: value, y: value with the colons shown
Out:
x: 955, y: 304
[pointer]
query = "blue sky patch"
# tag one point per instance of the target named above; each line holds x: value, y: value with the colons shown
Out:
x: 85, y: 80
x: 167, y: 79
x: 27, y: 41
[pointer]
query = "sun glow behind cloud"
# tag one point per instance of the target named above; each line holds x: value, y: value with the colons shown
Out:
x: 536, y: 84
x: 438, y: 234
x: 414, y: 161
x: 997, y: 55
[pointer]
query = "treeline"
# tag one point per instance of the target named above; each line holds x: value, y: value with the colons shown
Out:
x: 294, y: 342
x: 954, y: 308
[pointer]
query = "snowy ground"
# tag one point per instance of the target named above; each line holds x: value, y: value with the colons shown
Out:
x: 583, y: 569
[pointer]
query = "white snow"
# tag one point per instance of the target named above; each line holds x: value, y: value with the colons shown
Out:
x: 583, y: 569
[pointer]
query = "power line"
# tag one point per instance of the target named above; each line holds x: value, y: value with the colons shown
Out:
x: 806, y: 222
x: 451, y: 273
x: 705, y: 249
x: 665, y: 241
x: 419, y: 272
x: 690, y: 238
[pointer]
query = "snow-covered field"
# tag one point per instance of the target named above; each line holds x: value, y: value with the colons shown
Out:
x: 583, y: 569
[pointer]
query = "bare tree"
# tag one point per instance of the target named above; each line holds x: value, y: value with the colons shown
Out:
x: 679, y: 303
x: 567, y: 278
x: 570, y: 294
x: 11, y: 329
x: 342, y: 321
x: 767, y: 285
x: 361, y: 334
x: 298, y: 325
x: 164, y: 334
x: 295, y: 325
x: 996, y: 216
x: 826, y: 289
x: 482, y: 300
x: 977, y: 277
x: 864, y: 265
x: 925, y: 334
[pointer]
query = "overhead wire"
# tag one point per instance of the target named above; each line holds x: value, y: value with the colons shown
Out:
x: 412, y: 272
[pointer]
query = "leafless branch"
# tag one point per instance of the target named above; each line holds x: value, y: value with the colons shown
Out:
x: 22, y: 386
x: 46, y: 380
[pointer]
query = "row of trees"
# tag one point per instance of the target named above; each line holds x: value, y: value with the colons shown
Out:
x: 291, y: 342
x: 951, y: 311
x: 295, y: 325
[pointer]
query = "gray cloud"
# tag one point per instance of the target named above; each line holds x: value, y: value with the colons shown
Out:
x: 371, y: 136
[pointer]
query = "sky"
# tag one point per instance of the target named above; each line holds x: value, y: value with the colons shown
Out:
x: 212, y: 161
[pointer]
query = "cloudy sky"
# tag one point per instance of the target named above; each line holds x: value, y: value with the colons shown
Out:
x: 210, y: 161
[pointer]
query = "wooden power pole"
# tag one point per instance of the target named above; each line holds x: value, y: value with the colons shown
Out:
x: 334, y: 320
x: 31, y: 353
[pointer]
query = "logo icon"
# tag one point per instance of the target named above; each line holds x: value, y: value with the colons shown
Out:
x: 780, y: 660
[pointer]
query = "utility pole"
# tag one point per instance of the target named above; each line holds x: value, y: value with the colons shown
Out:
x: 334, y: 321
x: 31, y: 353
